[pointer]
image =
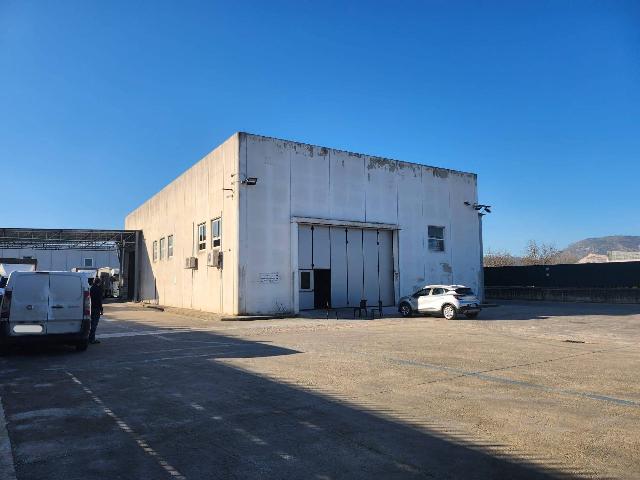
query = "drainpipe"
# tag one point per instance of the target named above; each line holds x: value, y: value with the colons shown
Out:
x: 136, y: 268
x: 481, y: 272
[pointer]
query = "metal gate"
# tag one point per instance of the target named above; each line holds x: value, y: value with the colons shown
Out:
x: 360, y: 261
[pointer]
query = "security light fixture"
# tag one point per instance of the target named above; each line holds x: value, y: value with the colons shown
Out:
x: 479, y: 207
x: 250, y: 181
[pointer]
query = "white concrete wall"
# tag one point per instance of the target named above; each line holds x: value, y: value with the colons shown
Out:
x: 194, y: 197
x: 308, y: 181
x: 64, y: 260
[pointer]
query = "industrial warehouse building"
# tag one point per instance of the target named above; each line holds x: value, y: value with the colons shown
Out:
x: 67, y: 249
x: 262, y: 225
x: 65, y: 259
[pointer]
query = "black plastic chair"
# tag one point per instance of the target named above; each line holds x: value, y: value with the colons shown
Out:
x: 363, y: 306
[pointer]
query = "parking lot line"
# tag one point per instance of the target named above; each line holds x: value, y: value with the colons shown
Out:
x: 7, y: 468
x: 127, y: 429
x: 492, y: 378
x: 138, y: 333
x: 126, y: 363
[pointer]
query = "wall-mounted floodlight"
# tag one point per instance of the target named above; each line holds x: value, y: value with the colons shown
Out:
x: 479, y: 207
x: 249, y: 181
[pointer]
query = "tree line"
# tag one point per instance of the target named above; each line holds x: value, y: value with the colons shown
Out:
x: 534, y: 254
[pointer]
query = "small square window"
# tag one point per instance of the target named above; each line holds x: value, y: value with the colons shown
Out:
x: 306, y: 280
x: 436, y: 238
x: 216, y: 232
x: 88, y: 262
x: 162, y: 242
x: 170, y: 246
x: 155, y: 250
x: 202, y: 236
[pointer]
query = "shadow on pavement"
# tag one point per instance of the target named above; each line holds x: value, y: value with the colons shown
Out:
x: 539, y: 310
x: 169, y: 405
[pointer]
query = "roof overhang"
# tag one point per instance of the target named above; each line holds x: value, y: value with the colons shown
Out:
x: 344, y: 223
x: 66, y: 239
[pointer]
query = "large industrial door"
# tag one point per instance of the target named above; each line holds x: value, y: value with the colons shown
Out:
x: 345, y: 265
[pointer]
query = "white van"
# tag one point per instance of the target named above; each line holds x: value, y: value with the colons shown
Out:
x: 46, y: 306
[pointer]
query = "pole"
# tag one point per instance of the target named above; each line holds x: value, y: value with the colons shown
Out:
x: 136, y: 259
x: 481, y: 272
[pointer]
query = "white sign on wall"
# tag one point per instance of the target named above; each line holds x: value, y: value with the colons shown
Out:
x: 273, y: 277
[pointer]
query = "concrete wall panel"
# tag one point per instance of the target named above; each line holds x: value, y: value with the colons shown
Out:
x: 265, y: 224
x: 381, y: 190
x: 347, y: 186
x: 309, y: 167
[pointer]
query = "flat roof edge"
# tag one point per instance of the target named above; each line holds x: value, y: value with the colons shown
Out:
x: 249, y: 134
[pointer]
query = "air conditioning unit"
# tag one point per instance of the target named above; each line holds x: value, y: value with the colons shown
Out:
x: 214, y: 258
x: 191, y: 262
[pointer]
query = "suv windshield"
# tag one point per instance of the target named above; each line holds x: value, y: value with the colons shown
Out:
x: 464, y: 291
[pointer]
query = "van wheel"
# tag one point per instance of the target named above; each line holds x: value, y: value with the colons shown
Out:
x: 449, y: 312
x: 82, y: 346
x: 405, y: 310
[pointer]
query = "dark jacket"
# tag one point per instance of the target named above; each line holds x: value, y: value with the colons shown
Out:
x: 96, y: 297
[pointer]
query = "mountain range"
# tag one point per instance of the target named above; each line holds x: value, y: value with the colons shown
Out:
x: 602, y: 245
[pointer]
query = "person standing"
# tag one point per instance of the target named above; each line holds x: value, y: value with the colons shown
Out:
x: 95, y: 292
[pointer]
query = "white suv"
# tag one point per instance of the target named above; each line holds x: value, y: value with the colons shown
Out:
x: 448, y: 300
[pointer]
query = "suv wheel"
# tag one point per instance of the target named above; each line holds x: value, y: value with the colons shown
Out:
x: 449, y: 312
x: 405, y: 310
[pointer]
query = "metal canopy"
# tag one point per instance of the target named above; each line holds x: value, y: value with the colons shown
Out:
x: 65, y: 239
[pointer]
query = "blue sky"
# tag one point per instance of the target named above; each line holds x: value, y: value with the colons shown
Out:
x: 103, y: 103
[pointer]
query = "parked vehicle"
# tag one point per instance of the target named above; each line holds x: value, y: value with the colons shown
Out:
x: 446, y: 300
x: 89, y: 274
x: 3, y: 284
x: 115, y: 283
x: 110, y: 278
x: 46, y: 307
x: 8, y: 265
